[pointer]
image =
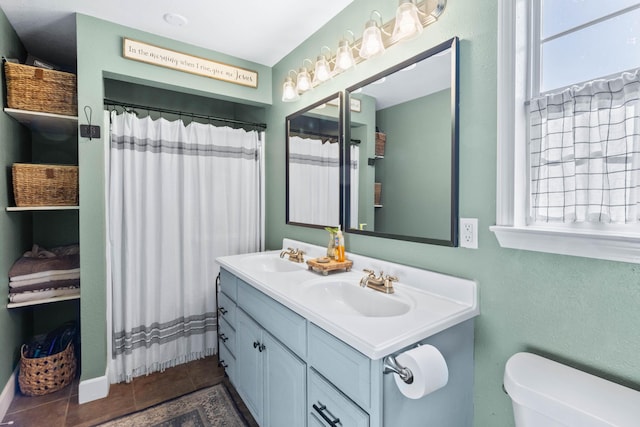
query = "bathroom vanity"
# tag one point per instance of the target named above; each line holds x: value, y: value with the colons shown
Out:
x: 308, y: 350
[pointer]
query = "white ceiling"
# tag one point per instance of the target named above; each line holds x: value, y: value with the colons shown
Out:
x: 262, y: 31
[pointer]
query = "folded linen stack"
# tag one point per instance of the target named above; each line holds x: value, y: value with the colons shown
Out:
x: 41, y: 274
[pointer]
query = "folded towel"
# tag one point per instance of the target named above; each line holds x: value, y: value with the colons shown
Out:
x: 55, y: 284
x: 39, y: 259
x: 41, y: 295
x: 44, y: 276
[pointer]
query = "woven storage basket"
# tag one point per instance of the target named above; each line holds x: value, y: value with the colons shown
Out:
x: 377, y: 195
x: 381, y: 139
x: 37, y: 89
x: 45, y: 185
x: 44, y: 375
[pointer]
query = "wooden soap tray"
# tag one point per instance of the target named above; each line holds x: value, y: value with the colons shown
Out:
x: 325, y: 267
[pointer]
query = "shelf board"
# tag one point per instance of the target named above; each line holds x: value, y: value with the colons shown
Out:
x: 41, y: 208
x: 42, y: 301
x: 44, y: 121
x: 377, y: 206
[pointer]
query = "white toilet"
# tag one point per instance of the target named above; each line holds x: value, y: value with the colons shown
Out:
x: 548, y: 394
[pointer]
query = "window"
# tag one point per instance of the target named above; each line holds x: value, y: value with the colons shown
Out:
x: 569, y: 131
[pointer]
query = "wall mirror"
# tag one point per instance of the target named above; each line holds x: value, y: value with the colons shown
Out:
x: 402, y: 158
x: 314, y: 156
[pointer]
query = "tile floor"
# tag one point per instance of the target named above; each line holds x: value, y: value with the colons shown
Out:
x: 62, y: 409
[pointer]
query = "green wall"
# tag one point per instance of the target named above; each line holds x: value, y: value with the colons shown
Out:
x: 99, y: 53
x: 578, y: 310
x: 15, y: 227
x: 412, y: 206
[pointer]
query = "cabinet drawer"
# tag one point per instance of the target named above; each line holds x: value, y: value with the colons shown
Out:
x: 345, y: 367
x: 227, y: 309
x: 227, y: 361
x: 227, y: 336
x: 228, y: 284
x: 278, y: 320
x: 325, y: 400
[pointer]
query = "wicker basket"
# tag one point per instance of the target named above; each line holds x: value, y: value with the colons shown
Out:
x: 37, y: 89
x: 381, y: 139
x: 45, y: 185
x: 377, y: 195
x: 44, y: 375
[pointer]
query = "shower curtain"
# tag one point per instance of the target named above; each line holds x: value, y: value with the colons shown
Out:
x: 179, y: 196
x: 314, y: 181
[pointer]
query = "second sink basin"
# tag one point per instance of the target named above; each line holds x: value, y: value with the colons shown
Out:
x: 347, y: 298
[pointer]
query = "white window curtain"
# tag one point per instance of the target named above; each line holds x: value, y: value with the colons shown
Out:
x: 585, y: 153
x: 314, y: 181
x: 179, y: 196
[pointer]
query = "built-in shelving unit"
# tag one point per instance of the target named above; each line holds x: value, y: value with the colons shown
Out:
x: 42, y: 301
x: 40, y: 208
x: 50, y: 123
x: 38, y: 121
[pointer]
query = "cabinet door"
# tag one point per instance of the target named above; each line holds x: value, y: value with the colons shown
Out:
x: 249, y: 368
x: 285, y: 385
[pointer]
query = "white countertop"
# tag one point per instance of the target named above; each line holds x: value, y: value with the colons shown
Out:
x: 436, y: 301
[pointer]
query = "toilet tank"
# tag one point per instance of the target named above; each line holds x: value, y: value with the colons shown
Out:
x: 547, y: 393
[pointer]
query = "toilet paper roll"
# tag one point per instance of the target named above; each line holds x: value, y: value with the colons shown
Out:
x: 429, y: 369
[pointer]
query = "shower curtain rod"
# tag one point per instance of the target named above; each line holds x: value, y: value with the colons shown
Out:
x: 114, y: 103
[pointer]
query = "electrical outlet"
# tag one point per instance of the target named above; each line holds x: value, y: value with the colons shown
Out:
x: 469, y: 233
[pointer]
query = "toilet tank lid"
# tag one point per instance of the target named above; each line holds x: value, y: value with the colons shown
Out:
x: 567, y: 394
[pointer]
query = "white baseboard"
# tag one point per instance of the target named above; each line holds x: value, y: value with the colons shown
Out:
x: 8, y: 393
x: 94, y: 389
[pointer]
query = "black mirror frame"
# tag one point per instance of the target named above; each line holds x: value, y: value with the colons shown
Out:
x: 340, y: 97
x: 453, y: 241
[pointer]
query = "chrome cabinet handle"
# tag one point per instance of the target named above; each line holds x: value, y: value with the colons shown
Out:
x: 256, y: 344
x: 321, y: 410
x: 261, y: 348
x: 224, y: 338
x: 224, y: 365
x: 222, y: 311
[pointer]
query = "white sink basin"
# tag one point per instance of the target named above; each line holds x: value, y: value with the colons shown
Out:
x: 347, y: 298
x: 271, y: 263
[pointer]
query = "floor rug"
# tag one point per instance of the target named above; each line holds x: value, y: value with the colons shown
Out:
x: 209, y: 407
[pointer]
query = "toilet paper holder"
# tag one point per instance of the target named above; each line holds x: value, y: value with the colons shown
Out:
x: 391, y: 366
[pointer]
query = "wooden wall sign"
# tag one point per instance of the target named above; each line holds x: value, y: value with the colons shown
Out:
x: 143, y: 52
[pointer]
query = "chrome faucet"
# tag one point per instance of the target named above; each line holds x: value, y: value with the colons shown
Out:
x: 295, y: 255
x: 381, y: 283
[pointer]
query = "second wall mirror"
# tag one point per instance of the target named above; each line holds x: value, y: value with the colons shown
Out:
x: 402, y: 179
x: 313, y: 164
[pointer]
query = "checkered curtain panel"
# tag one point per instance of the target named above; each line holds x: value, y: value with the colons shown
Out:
x: 584, y: 146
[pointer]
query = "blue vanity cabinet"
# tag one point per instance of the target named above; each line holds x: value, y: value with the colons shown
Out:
x: 270, y: 378
x: 250, y: 372
x: 290, y: 372
x: 227, y: 323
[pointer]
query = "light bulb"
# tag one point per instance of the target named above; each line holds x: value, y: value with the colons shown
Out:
x: 289, y: 92
x: 322, y: 71
x: 344, y: 57
x: 304, y: 80
x: 371, y: 44
x: 408, y: 23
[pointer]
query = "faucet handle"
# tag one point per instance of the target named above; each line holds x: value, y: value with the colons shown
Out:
x: 371, y: 272
x: 388, y: 281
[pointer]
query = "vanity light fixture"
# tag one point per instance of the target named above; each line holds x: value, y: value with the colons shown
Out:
x: 408, y: 24
x: 322, y: 70
x: 344, y: 56
x: 411, y: 17
x: 304, y: 79
x: 289, y: 90
x: 371, y: 44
